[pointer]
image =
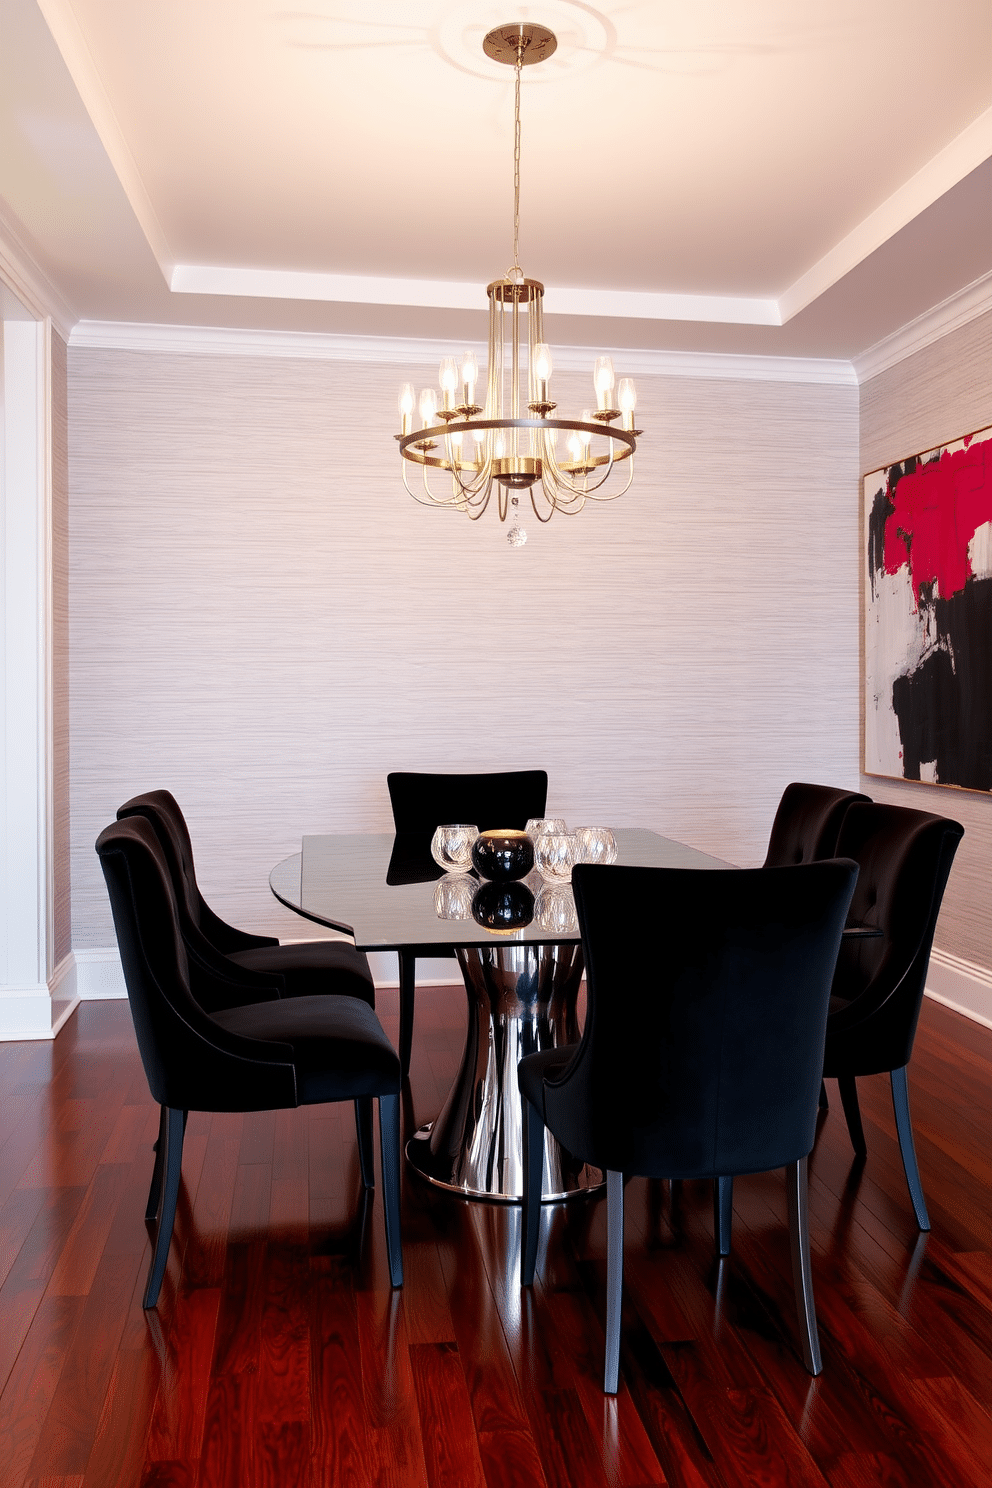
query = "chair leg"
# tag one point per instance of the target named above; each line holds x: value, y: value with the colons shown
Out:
x: 904, y: 1127
x: 172, y: 1163
x: 530, y: 1220
x: 723, y: 1213
x: 802, y: 1275
x: 408, y: 985
x: 155, y: 1192
x: 363, y: 1126
x: 389, y: 1144
x: 848, y: 1086
x: 614, y: 1279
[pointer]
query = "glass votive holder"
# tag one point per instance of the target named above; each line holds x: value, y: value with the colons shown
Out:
x: 595, y: 845
x: 453, y: 896
x: 451, y: 846
x: 538, y: 824
x: 554, y: 854
x: 554, y: 909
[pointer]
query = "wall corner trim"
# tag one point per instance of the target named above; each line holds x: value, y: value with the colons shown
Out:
x: 39, y: 1012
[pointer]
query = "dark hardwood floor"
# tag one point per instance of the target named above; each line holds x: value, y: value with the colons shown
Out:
x: 278, y: 1354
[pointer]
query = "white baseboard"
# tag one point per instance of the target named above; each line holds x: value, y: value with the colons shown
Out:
x: 92, y: 974
x: 39, y: 1012
x: 961, y: 985
x: 99, y: 973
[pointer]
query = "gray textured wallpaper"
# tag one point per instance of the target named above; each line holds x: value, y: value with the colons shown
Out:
x: 263, y: 621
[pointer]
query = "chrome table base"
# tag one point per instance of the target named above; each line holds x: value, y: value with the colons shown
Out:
x: 521, y: 999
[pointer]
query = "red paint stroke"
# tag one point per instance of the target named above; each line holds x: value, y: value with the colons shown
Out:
x: 937, y: 511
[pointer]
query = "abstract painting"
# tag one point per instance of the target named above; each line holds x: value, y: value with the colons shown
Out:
x: 928, y: 616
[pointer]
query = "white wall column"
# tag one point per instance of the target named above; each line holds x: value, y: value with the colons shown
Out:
x: 27, y: 1007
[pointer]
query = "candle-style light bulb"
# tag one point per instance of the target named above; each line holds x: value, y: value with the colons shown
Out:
x: 603, y: 380
x: 407, y: 402
x: 470, y: 376
x: 627, y: 399
x: 586, y: 435
x: 448, y: 379
x: 542, y: 363
x: 428, y: 408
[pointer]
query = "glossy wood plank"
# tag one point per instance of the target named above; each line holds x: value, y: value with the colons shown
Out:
x: 279, y: 1353
x: 451, y: 1451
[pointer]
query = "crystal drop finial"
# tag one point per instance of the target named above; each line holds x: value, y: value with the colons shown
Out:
x: 516, y: 537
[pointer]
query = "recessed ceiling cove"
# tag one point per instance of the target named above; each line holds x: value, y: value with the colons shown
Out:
x: 734, y: 167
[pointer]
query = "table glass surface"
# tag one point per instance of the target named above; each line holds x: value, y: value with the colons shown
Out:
x: 381, y: 889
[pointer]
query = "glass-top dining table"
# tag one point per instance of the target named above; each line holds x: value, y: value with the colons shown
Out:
x: 521, y: 961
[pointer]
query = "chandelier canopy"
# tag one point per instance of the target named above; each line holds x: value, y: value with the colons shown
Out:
x: 512, y: 441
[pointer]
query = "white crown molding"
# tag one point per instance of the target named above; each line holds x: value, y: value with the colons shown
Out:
x: 958, y: 310
x: 352, y: 289
x: 950, y: 165
x: 78, y: 58
x: 29, y: 283
x: 402, y: 351
x: 438, y: 294
x: 626, y: 304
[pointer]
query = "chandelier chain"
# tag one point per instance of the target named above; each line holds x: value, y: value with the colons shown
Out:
x: 516, y: 163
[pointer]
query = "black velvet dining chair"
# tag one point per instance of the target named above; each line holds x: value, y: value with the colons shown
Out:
x: 218, y: 950
x: 807, y: 823
x: 243, y: 1055
x: 422, y: 802
x: 904, y: 857
x: 702, y: 1047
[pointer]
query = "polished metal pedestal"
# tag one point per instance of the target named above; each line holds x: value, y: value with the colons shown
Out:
x: 521, y: 999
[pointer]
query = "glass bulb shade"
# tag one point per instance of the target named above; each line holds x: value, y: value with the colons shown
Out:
x: 554, y: 909
x: 479, y: 435
x: 407, y: 399
x: 448, y: 375
x: 595, y: 845
x: 499, y: 447
x: 470, y: 368
x: 451, y: 846
x: 538, y: 824
x: 603, y: 377
x: 627, y: 395
x: 428, y: 407
x: 586, y: 435
x: 555, y: 854
x: 574, y: 447
x: 456, y: 440
x: 542, y: 361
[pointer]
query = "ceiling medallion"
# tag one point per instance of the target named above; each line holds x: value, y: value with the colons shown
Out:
x: 511, y: 441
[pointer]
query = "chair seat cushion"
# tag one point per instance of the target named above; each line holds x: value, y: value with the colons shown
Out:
x: 534, y: 1069
x: 340, y: 1048
x: 313, y: 967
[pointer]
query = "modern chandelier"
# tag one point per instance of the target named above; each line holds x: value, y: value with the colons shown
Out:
x: 512, y: 441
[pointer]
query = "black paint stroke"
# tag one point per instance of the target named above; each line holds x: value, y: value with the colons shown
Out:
x: 943, y: 705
